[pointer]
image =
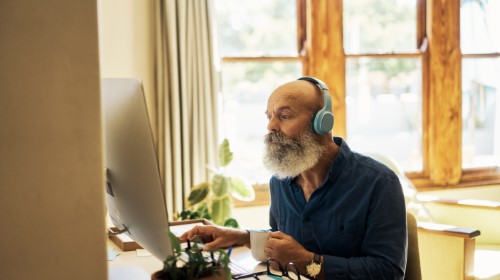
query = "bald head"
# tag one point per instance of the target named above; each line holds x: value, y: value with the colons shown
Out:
x: 300, y: 93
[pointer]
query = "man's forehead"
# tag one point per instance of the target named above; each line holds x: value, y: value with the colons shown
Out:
x: 293, y: 87
x: 284, y: 96
x: 294, y: 94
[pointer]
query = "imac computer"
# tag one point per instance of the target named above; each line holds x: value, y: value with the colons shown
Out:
x: 134, y: 196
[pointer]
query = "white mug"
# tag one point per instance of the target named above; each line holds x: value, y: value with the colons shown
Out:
x: 258, y: 240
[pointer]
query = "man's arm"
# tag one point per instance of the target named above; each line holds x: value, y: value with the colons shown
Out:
x: 217, y: 237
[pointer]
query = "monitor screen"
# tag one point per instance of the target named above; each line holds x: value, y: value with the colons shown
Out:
x: 134, y: 196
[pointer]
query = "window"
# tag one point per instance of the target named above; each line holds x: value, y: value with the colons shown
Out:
x: 412, y: 79
x: 397, y: 73
x: 384, y: 108
x: 383, y: 79
x: 480, y: 44
x: 258, y: 44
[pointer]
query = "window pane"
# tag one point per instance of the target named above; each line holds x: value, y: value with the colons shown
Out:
x: 246, y: 87
x: 480, y: 112
x: 373, y: 26
x: 384, y: 115
x: 257, y: 27
x: 480, y: 26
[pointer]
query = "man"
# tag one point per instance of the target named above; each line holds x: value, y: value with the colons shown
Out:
x: 334, y: 213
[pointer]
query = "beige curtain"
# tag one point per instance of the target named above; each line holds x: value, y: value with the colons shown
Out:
x: 186, y: 88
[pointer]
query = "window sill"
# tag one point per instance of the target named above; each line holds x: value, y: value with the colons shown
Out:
x: 262, y: 197
x: 470, y: 178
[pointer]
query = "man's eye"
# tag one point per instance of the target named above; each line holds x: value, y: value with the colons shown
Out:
x: 284, y: 117
x: 268, y: 117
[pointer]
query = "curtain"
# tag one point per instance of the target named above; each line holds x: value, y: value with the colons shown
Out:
x: 186, y: 88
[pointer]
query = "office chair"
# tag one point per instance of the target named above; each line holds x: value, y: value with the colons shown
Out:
x: 413, y: 271
x: 413, y: 207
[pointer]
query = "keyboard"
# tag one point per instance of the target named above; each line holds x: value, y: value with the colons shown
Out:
x: 233, y: 267
x: 236, y: 269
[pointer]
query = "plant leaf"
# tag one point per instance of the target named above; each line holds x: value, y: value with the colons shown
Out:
x: 225, y: 154
x: 220, y: 185
x: 240, y: 190
x: 231, y: 222
x: 185, y: 215
x: 176, y: 244
x: 198, y: 193
x: 213, y: 169
x: 221, y: 209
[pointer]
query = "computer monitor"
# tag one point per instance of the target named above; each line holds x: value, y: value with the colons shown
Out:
x: 134, y: 196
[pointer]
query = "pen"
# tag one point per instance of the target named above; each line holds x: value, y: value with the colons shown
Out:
x: 251, y: 274
x: 212, y: 256
x: 229, y: 250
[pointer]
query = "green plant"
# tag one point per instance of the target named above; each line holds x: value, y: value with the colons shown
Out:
x: 211, y: 200
x: 194, y: 263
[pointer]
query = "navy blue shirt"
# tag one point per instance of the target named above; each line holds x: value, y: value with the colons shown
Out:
x: 356, y: 219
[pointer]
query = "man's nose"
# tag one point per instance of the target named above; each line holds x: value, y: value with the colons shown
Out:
x: 272, y: 125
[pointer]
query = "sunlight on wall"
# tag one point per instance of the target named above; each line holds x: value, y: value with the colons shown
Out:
x: 486, y: 262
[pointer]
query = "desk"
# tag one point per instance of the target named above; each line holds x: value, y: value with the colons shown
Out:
x: 129, y: 266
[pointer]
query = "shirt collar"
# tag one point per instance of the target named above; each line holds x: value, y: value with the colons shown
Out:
x: 340, y: 161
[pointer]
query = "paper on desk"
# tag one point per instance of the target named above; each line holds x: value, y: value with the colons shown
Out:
x: 142, y: 253
x: 125, y: 238
x: 178, y: 230
x: 128, y: 273
x: 112, y: 254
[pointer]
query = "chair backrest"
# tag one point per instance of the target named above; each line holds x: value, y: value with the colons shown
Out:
x: 413, y: 271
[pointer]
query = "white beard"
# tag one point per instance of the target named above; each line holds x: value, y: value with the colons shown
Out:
x: 288, y: 157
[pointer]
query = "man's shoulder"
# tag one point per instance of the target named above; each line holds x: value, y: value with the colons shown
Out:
x: 276, y: 182
x: 367, y: 164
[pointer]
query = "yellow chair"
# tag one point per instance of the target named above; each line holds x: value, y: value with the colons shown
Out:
x: 413, y: 271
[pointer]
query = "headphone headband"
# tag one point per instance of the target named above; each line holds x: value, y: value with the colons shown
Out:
x: 319, y: 83
x: 322, y: 122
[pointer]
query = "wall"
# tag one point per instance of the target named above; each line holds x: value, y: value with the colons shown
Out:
x: 126, y: 38
x: 491, y: 193
x: 256, y: 217
x: 481, y: 218
x: 51, y: 183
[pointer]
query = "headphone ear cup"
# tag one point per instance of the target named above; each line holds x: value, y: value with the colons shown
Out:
x: 323, y: 122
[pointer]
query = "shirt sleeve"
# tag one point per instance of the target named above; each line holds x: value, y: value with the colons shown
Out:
x: 384, y: 247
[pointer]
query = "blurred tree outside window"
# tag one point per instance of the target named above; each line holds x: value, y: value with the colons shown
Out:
x: 378, y: 26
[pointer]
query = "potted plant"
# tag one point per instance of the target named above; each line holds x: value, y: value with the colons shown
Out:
x: 193, y: 263
x: 211, y: 200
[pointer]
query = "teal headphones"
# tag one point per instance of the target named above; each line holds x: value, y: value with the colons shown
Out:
x: 322, y: 122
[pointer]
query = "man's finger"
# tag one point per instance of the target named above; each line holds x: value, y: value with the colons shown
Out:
x: 197, y: 230
x: 277, y: 235
x: 183, y: 237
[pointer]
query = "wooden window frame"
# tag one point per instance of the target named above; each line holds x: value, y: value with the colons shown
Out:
x: 438, y: 39
x: 320, y: 49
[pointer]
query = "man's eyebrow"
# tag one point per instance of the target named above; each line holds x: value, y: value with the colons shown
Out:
x: 280, y: 109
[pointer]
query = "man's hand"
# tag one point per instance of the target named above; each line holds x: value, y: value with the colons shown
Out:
x: 285, y: 249
x: 216, y: 237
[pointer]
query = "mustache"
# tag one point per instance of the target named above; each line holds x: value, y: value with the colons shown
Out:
x: 282, y: 140
x: 275, y: 137
x: 279, y: 138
